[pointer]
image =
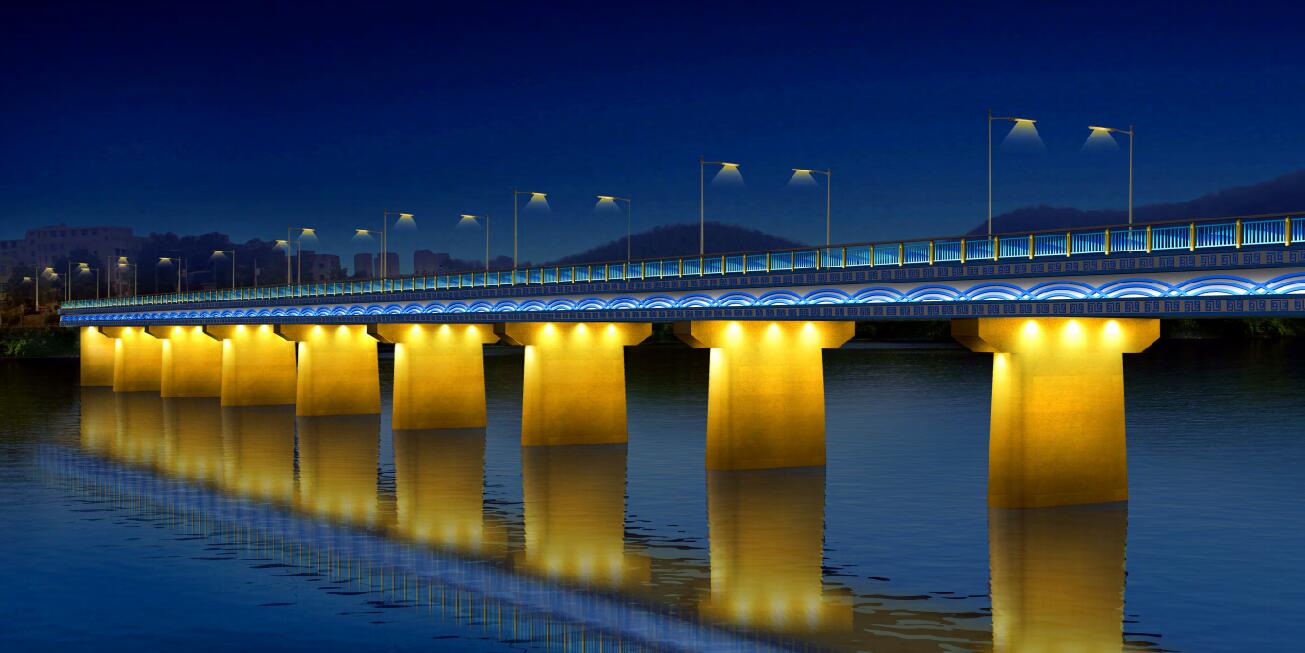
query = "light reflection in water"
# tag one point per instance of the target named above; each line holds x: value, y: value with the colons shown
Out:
x: 1057, y: 574
x: 338, y: 460
x: 1058, y: 578
x: 575, y: 514
x: 767, y: 546
x: 439, y: 483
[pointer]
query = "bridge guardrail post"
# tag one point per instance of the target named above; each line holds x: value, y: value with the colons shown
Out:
x: 962, y: 251
x: 931, y: 252
x: 1069, y: 243
x: 901, y: 254
x: 1148, y: 239
x: 1286, y: 239
x: 1191, y: 237
x: 1237, y: 239
x: 1106, y: 246
x: 1031, y: 246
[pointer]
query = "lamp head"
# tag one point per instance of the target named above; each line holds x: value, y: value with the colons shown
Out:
x: 538, y: 195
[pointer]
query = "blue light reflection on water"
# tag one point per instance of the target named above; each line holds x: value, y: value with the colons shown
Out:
x: 1214, y: 527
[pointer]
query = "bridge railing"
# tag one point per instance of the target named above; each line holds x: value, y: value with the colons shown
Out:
x: 1266, y: 230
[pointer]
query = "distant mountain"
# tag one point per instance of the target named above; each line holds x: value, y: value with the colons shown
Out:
x: 682, y: 239
x: 1281, y: 195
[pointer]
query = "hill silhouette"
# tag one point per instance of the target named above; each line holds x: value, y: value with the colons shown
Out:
x: 681, y: 240
x: 1283, y: 194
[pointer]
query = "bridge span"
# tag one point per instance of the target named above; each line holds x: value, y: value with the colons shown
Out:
x: 1056, y: 309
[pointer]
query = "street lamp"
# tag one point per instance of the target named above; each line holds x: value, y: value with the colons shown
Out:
x: 220, y: 254
x: 1106, y: 131
x: 404, y: 218
x: 629, y: 210
x: 124, y: 262
x: 542, y: 197
x: 473, y: 218
x: 991, y: 119
x: 47, y: 272
x: 702, y: 197
x: 829, y: 183
x: 175, y: 261
x: 85, y: 268
x: 303, y: 231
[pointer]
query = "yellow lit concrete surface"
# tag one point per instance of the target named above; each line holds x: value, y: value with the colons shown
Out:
x: 439, y: 482
x: 192, y: 362
x: 766, y: 393
x: 258, y: 366
x: 192, y: 438
x: 99, y: 423
x: 258, y: 445
x: 439, y: 374
x: 767, y: 545
x: 574, y: 389
x: 96, y: 353
x: 338, y: 372
x: 575, y: 514
x: 1057, y: 578
x: 337, y: 467
x: 137, y: 359
x: 1057, y: 432
x: 138, y: 436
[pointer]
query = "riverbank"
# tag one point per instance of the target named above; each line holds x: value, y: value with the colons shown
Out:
x: 37, y: 342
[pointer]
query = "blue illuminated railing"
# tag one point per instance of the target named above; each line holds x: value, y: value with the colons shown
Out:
x: 1281, y: 230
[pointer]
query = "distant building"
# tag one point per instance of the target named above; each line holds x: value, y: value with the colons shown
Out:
x: 425, y: 261
x: 362, y: 265
x: 391, y: 267
x: 317, y: 267
x: 45, y: 245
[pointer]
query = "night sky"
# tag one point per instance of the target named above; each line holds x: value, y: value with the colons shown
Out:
x: 246, y: 118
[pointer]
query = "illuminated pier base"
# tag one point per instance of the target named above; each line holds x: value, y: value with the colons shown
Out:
x: 338, y: 458
x: 192, y: 362
x: 439, y: 374
x: 1057, y: 433
x: 1057, y: 578
x: 440, y: 483
x: 258, y: 366
x: 192, y: 438
x: 338, y: 372
x: 258, y: 448
x: 575, y: 514
x: 137, y: 359
x: 96, y: 352
x: 574, y: 390
x: 766, y: 394
x: 767, y: 546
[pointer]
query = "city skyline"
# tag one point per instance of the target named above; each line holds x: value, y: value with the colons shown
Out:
x: 284, y: 130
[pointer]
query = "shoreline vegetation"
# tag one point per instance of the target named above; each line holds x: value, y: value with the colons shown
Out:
x: 60, y: 342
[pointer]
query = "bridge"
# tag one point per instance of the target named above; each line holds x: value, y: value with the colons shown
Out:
x: 1057, y: 309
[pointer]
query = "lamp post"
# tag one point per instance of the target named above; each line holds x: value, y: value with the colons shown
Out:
x: 516, y: 194
x: 221, y: 253
x: 1129, y: 132
x: 85, y: 268
x: 992, y: 119
x: 124, y: 262
x: 629, y: 211
x: 702, y: 198
x: 385, y: 223
x: 829, y: 183
x: 303, y: 231
x: 175, y: 261
x: 474, y: 218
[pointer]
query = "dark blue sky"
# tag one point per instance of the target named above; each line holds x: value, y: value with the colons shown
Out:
x: 248, y: 117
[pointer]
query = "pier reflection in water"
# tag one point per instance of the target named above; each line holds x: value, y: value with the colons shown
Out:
x: 1057, y: 575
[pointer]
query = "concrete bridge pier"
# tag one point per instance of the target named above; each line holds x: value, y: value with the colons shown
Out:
x: 766, y: 394
x: 439, y: 374
x: 258, y: 366
x: 96, y: 358
x: 137, y: 359
x: 1057, y: 431
x: 574, y: 389
x: 192, y: 362
x: 338, y: 372
x: 1057, y: 578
